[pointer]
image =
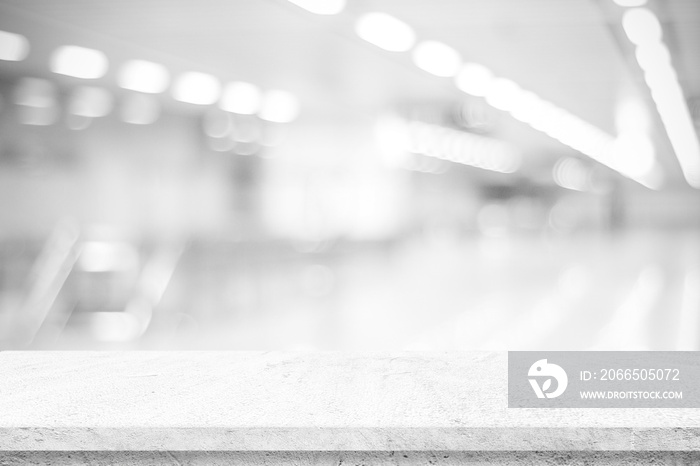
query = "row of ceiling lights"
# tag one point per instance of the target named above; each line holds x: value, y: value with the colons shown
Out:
x: 631, y: 154
x: 503, y: 94
x: 644, y: 30
x: 391, y: 34
x: 36, y: 101
x: 147, y: 77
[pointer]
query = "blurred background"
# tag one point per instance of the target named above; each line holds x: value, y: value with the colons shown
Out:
x: 360, y: 175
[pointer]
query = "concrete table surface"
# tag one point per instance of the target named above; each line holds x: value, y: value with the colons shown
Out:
x: 304, y: 402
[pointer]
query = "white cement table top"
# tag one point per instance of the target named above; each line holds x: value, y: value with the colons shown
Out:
x: 253, y: 401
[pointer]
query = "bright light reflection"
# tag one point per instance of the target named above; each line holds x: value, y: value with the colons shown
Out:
x: 103, y: 256
x: 563, y: 126
x: 653, y: 56
x: 633, y: 154
x: 529, y: 108
x: 641, y: 26
x: 385, y: 32
x: 503, y: 94
x: 631, y: 115
x: 241, y: 97
x: 79, y: 62
x: 144, y: 76
x: 13, y: 47
x: 279, y: 106
x: 474, y: 79
x: 644, y: 30
x: 437, y: 58
x: 196, y: 88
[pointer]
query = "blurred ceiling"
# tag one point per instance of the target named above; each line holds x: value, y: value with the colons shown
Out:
x: 572, y: 53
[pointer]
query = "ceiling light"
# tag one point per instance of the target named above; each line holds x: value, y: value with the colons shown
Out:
x: 279, y: 106
x: 437, y: 58
x: 503, y: 94
x: 241, y: 97
x: 654, y: 58
x: 196, y: 88
x: 528, y: 108
x: 681, y: 132
x: 13, y: 47
x: 385, y: 32
x: 653, y: 55
x: 641, y: 26
x: 474, y: 79
x: 321, y: 7
x: 79, y: 62
x: 143, y: 76
x: 560, y: 125
x: 633, y: 154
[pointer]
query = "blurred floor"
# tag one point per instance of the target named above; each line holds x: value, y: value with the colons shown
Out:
x: 601, y: 291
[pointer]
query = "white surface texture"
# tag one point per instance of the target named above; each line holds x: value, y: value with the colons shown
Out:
x: 254, y: 401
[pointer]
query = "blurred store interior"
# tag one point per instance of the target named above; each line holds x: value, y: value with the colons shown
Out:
x: 350, y: 175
